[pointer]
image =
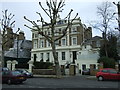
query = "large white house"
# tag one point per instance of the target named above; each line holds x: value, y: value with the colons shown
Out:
x: 70, y: 49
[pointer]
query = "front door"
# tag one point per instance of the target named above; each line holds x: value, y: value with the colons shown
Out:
x: 35, y: 57
x: 74, y: 56
x: 83, y: 66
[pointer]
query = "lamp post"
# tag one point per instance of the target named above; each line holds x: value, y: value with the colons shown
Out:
x: 18, y: 44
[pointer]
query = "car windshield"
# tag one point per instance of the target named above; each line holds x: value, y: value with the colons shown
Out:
x: 5, y: 69
x: 25, y: 71
x: 87, y: 69
x: 15, y: 73
x: 22, y: 71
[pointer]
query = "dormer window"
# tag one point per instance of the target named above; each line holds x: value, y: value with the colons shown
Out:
x: 60, y: 22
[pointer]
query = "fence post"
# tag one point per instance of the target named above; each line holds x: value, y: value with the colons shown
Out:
x: 9, y: 63
x: 30, y: 65
x: 14, y: 62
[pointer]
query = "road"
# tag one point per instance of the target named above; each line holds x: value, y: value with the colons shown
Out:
x: 65, y: 82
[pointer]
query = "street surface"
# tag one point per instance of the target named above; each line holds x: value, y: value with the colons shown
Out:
x: 65, y: 82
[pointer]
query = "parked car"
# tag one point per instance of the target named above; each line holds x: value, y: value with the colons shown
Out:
x: 5, y: 69
x: 108, y: 74
x: 86, y: 72
x: 25, y: 72
x: 12, y: 77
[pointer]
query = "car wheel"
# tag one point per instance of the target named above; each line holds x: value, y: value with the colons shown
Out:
x: 9, y: 81
x: 100, y: 78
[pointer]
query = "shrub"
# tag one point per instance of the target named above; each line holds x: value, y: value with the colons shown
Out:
x: 22, y: 65
x: 42, y: 65
x: 107, y: 62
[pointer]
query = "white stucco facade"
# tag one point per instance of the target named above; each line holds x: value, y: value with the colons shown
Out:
x: 87, y: 56
x: 70, y: 49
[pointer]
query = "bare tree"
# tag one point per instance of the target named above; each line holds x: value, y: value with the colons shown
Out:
x: 106, y: 15
x: 54, y: 7
x: 118, y: 13
x: 6, y: 24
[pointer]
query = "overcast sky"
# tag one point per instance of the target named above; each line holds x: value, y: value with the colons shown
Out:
x: 86, y: 9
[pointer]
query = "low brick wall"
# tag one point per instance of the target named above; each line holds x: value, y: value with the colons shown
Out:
x: 43, y: 72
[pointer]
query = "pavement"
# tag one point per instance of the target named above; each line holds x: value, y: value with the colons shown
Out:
x: 91, y: 77
x: 44, y: 76
x: 54, y: 76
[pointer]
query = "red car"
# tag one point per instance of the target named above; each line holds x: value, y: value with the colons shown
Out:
x: 107, y: 74
x: 12, y: 77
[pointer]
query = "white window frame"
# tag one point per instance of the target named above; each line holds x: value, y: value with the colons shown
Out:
x: 57, y: 43
x: 39, y: 44
x: 35, y: 35
x: 35, y: 44
x: 97, y: 43
x: 42, y: 44
x: 62, y: 42
x: 48, y: 31
x: 48, y: 44
x: 74, y: 29
x: 64, y: 55
x: 73, y: 40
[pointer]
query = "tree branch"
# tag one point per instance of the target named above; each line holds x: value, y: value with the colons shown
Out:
x: 42, y: 20
x: 38, y: 29
x: 44, y: 9
x: 65, y: 31
x: 30, y: 27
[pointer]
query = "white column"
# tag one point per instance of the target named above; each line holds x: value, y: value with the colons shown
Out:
x: 9, y: 63
x: 32, y: 56
x: 71, y: 55
x: 77, y: 69
x: 68, y: 38
x: 45, y: 57
x: 51, y: 57
x: 30, y: 65
x: 14, y: 62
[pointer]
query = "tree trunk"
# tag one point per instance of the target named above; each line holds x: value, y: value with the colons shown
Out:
x: 2, y: 57
x: 105, y: 43
x: 57, y: 66
x: 106, y: 52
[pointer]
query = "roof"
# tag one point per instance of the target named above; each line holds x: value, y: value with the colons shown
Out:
x: 89, y: 41
x: 24, y: 44
x: 22, y: 50
x: 96, y: 38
